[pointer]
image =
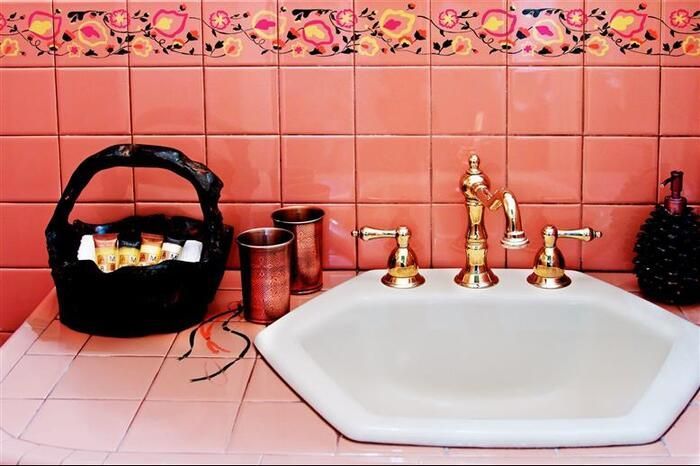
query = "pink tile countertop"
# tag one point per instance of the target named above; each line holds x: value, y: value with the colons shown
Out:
x: 71, y: 398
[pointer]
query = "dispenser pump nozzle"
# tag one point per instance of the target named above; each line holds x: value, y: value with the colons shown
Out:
x: 675, y: 203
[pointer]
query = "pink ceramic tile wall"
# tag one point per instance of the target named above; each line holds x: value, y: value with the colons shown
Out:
x: 362, y: 107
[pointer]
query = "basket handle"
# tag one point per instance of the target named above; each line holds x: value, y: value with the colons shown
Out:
x: 207, y: 184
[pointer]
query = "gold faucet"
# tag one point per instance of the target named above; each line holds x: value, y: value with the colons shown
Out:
x: 476, y: 188
x: 403, y: 271
x: 549, y: 271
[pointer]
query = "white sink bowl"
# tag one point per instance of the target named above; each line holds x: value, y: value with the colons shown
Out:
x: 509, y: 366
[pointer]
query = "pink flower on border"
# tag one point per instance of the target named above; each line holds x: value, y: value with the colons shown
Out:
x: 396, y: 23
x: 528, y: 48
x: 219, y: 19
x: 92, y: 33
x: 548, y: 32
x: 576, y: 17
x: 74, y: 50
x: 680, y: 18
x: 317, y: 33
x: 448, y: 18
x: 346, y: 18
x: 119, y: 19
x: 298, y: 49
x: 3, y: 22
x: 265, y: 24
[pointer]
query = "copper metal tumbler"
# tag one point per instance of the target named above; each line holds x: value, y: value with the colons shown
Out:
x: 266, y: 261
x: 307, y: 225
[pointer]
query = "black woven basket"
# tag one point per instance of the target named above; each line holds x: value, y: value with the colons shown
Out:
x: 137, y: 301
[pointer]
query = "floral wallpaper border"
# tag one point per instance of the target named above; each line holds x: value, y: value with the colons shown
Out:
x: 321, y: 32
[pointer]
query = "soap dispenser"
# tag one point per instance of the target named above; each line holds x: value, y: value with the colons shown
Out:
x: 667, y: 261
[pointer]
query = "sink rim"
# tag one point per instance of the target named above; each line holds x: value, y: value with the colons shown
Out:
x: 672, y: 388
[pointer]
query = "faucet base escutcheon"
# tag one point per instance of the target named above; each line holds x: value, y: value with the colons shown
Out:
x: 476, y: 279
x: 403, y: 283
x: 549, y: 283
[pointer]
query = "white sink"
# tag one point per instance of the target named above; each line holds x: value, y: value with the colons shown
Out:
x: 509, y: 366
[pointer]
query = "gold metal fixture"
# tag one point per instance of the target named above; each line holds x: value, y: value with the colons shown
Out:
x: 549, y: 269
x: 403, y: 265
x: 475, y: 186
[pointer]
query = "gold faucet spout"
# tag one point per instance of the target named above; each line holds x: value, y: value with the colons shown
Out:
x: 478, y: 194
x: 514, y: 237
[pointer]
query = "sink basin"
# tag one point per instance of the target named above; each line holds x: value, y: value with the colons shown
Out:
x: 509, y: 366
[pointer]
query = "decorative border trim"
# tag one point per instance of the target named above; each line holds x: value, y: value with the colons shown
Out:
x: 321, y: 32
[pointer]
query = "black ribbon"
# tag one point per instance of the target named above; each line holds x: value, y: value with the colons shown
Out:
x: 225, y: 326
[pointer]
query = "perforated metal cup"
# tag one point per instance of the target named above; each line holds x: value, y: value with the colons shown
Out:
x: 266, y: 262
x: 307, y: 225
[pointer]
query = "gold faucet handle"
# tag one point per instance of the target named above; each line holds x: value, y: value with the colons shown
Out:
x: 369, y: 233
x: 551, y: 233
x: 403, y: 270
x: 549, y: 271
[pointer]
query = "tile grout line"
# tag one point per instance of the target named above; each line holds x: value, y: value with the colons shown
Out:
x: 580, y: 246
x: 240, y: 404
x: 506, y: 255
x: 143, y: 400
x: 441, y: 65
x: 658, y: 140
x: 278, y: 69
x: 63, y: 374
x: 127, y: 5
x: 430, y: 140
x: 58, y: 119
x: 367, y: 135
x: 204, y: 86
x: 356, y: 180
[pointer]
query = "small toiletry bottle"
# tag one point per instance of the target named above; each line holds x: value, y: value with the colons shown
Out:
x: 150, y: 251
x: 86, y: 250
x: 667, y: 261
x: 172, y: 247
x: 191, y: 251
x: 106, y: 252
x: 129, y: 249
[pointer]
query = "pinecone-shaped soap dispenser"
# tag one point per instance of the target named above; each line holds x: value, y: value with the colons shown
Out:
x: 667, y: 263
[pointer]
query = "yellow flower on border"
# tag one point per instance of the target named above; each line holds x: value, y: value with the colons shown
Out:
x: 368, y: 46
x: 691, y: 46
x: 141, y: 47
x: 597, y: 46
x: 233, y: 47
x: 9, y: 48
x: 462, y: 45
x: 397, y: 23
